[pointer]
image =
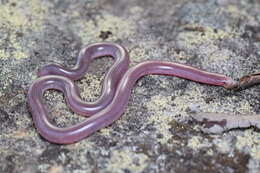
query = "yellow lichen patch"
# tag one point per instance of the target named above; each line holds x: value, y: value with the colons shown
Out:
x: 180, y: 56
x: 162, y: 116
x: 17, y: 20
x: 119, y: 27
x: 23, y: 122
x: 220, y: 55
x: 210, y: 152
x: 22, y: 14
x: 190, y: 38
x: 197, y: 142
x: 90, y: 87
x: 10, y: 16
x: 105, y: 131
x: 241, y: 106
x: 13, y: 47
x: 158, y: 103
x: 244, y: 107
x: 126, y: 159
x: 213, y: 53
x: 195, y: 97
x: 161, y: 123
x: 136, y: 12
x: 137, y: 54
x: 250, y: 142
x: 239, y: 13
x: 4, y: 54
x: 79, y: 146
x: 233, y: 10
x: 19, y: 133
x: 147, y: 50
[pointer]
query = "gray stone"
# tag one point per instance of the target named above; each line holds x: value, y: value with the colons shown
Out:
x: 154, y: 134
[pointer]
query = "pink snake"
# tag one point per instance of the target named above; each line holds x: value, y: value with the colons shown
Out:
x: 116, y: 90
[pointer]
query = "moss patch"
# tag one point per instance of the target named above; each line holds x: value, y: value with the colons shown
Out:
x: 118, y: 27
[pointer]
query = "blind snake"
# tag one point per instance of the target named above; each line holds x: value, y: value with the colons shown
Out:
x: 116, y: 90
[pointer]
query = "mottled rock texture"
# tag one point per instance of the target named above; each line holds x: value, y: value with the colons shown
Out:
x: 154, y: 134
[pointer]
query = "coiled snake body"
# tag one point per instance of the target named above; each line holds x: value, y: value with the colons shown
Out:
x: 117, y: 85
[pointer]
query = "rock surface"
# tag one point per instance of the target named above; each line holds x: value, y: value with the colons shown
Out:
x: 154, y: 134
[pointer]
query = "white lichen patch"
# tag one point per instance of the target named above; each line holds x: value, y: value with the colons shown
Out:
x: 253, y: 166
x: 249, y: 143
x: 126, y: 159
x: 197, y: 143
x: 223, y: 146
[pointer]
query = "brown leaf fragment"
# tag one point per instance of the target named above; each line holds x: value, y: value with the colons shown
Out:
x: 220, y: 122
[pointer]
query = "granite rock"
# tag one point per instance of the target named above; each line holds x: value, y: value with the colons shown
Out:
x: 154, y: 134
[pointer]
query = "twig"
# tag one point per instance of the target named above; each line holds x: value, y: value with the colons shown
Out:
x: 244, y: 82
